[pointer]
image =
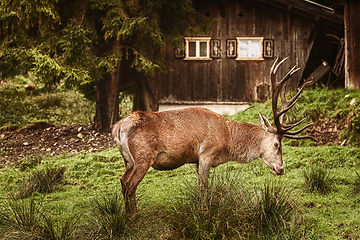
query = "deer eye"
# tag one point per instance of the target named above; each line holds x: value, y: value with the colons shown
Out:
x: 276, y: 144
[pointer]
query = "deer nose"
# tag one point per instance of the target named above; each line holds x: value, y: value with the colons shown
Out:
x: 280, y: 171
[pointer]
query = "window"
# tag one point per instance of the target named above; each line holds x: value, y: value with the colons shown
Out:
x: 250, y: 48
x: 197, y: 48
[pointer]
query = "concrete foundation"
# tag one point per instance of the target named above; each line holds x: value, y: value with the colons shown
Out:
x: 220, y: 108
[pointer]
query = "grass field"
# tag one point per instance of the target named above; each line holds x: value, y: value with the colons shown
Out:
x: 79, y: 197
x: 333, y: 215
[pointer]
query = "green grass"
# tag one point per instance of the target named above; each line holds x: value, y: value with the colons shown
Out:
x: 60, y: 107
x: 20, y: 108
x: 87, y: 202
x: 313, y: 104
x: 95, y: 176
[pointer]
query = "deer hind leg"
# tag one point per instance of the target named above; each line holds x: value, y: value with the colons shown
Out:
x: 130, y: 181
x: 129, y: 167
x: 136, y: 168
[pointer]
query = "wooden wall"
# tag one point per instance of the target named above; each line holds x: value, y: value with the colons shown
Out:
x: 229, y: 80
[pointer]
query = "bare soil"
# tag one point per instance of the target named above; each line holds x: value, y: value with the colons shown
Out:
x: 46, y: 139
x: 328, y: 130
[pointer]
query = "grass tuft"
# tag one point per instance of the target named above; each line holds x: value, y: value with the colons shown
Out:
x: 27, y: 219
x: 53, y: 228
x: 275, y: 207
x: 318, y: 179
x: 226, y: 210
x: 356, y: 184
x: 19, y: 219
x: 109, y: 215
x: 42, y: 181
x: 30, y: 162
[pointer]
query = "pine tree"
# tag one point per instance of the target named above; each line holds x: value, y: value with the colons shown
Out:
x: 84, y: 43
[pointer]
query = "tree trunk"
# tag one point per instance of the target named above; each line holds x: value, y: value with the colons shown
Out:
x: 107, y: 101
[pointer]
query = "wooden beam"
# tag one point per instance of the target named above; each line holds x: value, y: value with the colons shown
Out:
x: 309, y: 8
x: 314, y: 29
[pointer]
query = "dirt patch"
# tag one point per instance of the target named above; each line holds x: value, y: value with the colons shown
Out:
x: 328, y: 130
x: 46, y: 139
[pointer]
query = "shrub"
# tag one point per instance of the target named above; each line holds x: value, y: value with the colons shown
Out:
x: 318, y: 179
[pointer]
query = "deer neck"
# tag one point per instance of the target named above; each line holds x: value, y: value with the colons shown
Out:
x: 245, y: 141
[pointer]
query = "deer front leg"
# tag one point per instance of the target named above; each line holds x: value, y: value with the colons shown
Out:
x: 202, y: 169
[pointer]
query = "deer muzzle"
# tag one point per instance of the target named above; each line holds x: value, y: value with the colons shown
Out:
x: 278, y: 170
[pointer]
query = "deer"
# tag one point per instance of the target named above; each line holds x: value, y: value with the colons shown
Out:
x: 169, y: 139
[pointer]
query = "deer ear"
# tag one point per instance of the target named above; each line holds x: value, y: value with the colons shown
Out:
x: 265, y: 122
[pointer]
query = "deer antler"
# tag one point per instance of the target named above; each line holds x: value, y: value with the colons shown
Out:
x: 286, y: 105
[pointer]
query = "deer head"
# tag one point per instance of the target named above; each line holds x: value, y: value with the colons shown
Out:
x: 272, y: 149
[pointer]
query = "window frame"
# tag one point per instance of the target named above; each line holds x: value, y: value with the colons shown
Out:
x: 261, y: 48
x: 197, y: 40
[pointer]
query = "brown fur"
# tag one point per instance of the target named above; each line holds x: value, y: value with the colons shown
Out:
x: 170, y: 139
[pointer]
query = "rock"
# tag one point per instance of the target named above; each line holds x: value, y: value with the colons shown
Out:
x: 29, y: 87
x: 353, y: 101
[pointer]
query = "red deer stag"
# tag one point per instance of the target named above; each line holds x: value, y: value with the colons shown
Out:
x: 167, y: 140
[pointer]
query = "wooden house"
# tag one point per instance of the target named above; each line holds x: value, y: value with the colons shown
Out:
x: 228, y: 68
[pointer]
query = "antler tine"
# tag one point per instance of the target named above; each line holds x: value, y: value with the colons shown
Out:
x: 273, y: 66
x: 275, y: 91
x: 276, y: 65
x: 291, y: 126
x: 300, y: 137
x: 287, y: 104
x: 298, y: 131
x: 279, y: 89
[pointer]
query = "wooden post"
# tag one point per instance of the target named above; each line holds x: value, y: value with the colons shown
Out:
x: 352, y: 43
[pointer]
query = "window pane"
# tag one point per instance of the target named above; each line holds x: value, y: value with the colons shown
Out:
x: 192, y: 49
x: 254, y: 49
x: 250, y: 49
x: 243, y: 49
x: 203, y: 49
